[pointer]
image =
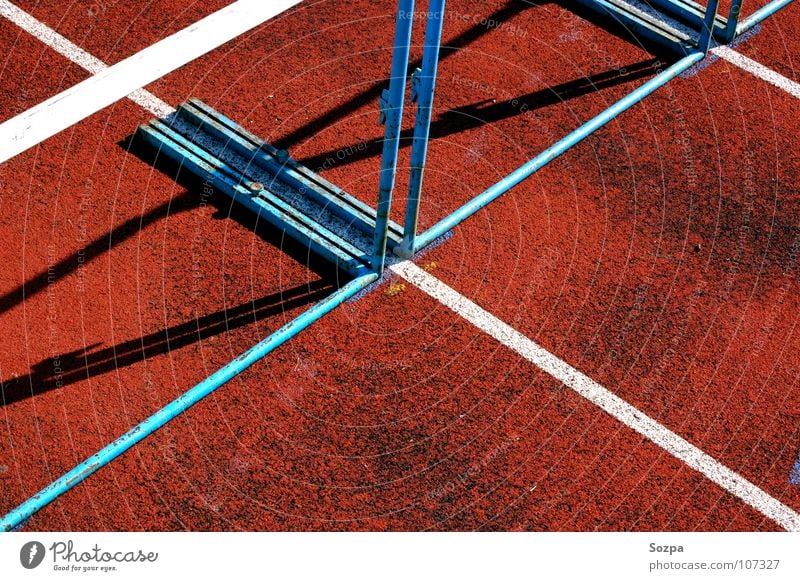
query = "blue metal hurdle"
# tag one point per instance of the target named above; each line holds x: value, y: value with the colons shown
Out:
x: 683, y: 27
x: 677, y: 25
x: 343, y: 230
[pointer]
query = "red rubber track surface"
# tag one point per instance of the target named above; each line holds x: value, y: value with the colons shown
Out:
x: 34, y: 78
x: 658, y: 257
x: 112, y: 30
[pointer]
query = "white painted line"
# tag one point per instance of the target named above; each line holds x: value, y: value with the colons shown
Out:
x: 111, y: 83
x: 76, y: 54
x: 758, y: 70
x: 148, y: 64
x: 50, y: 37
x: 594, y: 392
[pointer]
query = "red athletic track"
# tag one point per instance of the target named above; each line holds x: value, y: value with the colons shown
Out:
x: 393, y: 413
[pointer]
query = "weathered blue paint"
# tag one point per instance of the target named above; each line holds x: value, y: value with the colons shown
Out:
x: 646, y: 25
x: 667, y: 22
x: 706, y: 32
x: 264, y: 202
x: 257, y: 197
x: 725, y: 29
x: 279, y: 190
x: 693, y: 14
x: 181, y: 404
x: 794, y: 475
x: 391, y: 108
x: 731, y: 26
x: 285, y: 169
x: 424, y: 85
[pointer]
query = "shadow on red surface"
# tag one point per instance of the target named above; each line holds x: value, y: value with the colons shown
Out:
x: 86, y: 363
x: 485, y: 112
x: 371, y: 95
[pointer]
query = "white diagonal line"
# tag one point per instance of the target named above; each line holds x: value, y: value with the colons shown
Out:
x: 76, y: 54
x: 635, y: 419
x: 758, y: 70
x: 126, y: 78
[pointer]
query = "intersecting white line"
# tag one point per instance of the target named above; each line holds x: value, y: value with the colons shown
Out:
x: 126, y: 78
x: 109, y: 84
x: 612, y: 404
x: 759, y: 70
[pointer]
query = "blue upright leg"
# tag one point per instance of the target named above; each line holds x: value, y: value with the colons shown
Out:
x: 555, y: 150
x: 733, y: 20
x: 391, y: 105
x: 423, y: 86
x: 708, y: 26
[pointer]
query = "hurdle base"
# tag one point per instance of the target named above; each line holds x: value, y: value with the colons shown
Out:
x: 291, y: 197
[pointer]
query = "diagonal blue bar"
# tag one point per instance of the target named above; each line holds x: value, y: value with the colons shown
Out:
x: 422, y: 124
x: 179, y: 405
x: 552, y: 152
x: 761, y: 14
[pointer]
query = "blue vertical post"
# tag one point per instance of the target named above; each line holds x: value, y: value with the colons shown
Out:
x: 423, y: 87
x: 733, y: 20
x: 708, y: 26
x: 391, y: 105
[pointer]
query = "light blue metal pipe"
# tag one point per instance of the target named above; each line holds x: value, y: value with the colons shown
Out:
x: 760, y: 15
x: 708, y: 25
x: 554, y: 151
x: 178, y: 406
x: 733, y: 20
x: 422, y: 125
x: 392, y: 112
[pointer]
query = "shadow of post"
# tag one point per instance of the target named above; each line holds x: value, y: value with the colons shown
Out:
x: 94, y: 249
x: 501, y: 15
x: 485, y: 112
x: 90, y: 362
